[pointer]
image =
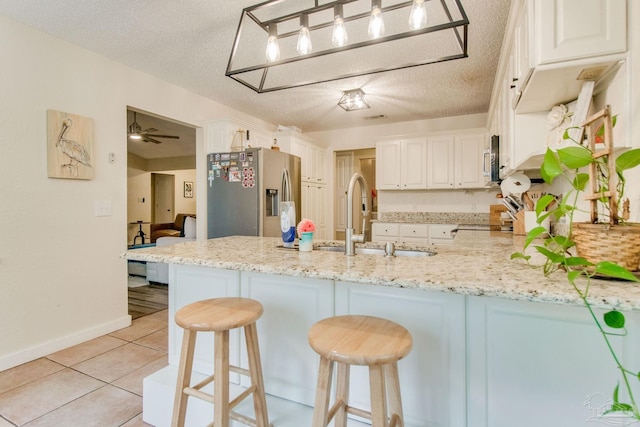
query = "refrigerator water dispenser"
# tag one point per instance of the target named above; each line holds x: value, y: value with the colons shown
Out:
x: 272, y: 202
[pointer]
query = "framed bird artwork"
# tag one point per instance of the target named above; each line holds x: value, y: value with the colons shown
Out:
x: 69, y: 145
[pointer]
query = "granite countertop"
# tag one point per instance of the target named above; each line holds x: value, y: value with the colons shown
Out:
x: 477, y: 263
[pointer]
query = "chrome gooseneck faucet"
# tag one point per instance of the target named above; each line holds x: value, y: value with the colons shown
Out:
x: 350, y: 238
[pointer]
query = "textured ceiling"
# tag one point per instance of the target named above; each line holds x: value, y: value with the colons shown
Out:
x: 188, y: 43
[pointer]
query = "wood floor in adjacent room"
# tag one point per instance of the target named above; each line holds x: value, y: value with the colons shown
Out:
x: 145, y: 300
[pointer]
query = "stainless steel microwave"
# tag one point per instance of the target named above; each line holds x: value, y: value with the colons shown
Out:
x: 491, y: 161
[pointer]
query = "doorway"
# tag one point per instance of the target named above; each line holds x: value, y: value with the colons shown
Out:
x: 161, y: 161
x: 163, y: 188
x: 347, y: 163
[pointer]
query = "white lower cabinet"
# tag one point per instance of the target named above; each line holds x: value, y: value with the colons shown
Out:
x: 475, y: 362
x: 385, y: 232
x: 200, y: 283
x: 291, y: 306
x: 413, y: 234
x: 432, y: 376
x: 534, y: 364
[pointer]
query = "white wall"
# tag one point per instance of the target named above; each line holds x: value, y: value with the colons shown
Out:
x: 62, y: 280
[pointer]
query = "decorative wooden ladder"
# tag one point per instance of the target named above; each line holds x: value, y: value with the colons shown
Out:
x: 596, y: 194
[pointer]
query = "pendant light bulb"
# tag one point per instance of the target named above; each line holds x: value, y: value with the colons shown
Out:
x: 339, y: 36
x: 273, y: 48
x: 418, y: 15
x: 376, y: 23
x: 304, y: 38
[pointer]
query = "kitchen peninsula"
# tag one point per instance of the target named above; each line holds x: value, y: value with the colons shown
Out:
x: 495, y: 343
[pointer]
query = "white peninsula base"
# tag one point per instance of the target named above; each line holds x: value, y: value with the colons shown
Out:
x: 476, y: 362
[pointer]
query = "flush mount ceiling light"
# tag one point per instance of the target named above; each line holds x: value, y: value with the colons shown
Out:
x: 353, y: 100
x: 282, y: 44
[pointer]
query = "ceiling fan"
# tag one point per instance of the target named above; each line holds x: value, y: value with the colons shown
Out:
x: 136, y: 132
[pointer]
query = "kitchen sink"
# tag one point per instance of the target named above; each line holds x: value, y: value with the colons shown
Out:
x: 377, y: 251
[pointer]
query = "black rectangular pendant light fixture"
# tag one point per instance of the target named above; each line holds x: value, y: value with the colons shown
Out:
x: 282, y: 44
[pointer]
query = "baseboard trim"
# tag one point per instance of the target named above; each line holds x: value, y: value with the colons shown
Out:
x: 43, y: 349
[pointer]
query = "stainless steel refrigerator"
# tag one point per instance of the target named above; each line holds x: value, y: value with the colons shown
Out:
x: 245, y: 189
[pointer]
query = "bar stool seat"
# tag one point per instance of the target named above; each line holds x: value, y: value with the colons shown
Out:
x: 219, y: 315
x: 359, y: 340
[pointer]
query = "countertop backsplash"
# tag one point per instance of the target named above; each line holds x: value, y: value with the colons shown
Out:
x: 467, y: 218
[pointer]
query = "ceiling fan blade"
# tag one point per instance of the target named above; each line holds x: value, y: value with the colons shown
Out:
x: 166, y: 136
x: 149, y: 139
x: 149, y: 130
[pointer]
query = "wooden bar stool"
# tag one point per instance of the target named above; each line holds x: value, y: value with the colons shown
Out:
x: 359, y: 340
x: 220, y: 315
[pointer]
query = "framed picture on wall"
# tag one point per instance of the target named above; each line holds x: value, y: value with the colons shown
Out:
x: 188, y: 189
x: 69, y: 145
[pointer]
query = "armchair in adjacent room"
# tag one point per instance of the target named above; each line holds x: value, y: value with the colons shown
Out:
x: 169, y: 229
x: 159, y: 272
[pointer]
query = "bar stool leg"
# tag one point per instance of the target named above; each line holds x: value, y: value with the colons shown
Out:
x: 342, y: 394
x: 255, y: 368
x: 378, y: 396
x: 221, y: 382
x: 184, y: 378
x: 395, y: 402
x: 323, y: 392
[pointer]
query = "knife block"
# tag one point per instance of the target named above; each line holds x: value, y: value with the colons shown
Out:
x: 518, y: 224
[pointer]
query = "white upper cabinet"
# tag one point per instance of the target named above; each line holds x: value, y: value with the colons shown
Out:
x: 413, y: 167
x: 573, y: 29
x: 311, y: 156
x: 468, y: 160
x: 401, y: 164
x: 388, y: 165
x: 557, y: 44
x: 455, y: 161
x: 441, y: 153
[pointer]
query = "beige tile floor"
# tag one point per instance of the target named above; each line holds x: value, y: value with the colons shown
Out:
x: 96, y: 383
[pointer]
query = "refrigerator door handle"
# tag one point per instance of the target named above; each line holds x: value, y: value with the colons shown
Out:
x: 286, y: 185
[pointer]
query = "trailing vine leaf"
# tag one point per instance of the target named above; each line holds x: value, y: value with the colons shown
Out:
x: 580, y: 181
x: 520, y: 255
x: 533, y: 234
x: 543, y: 203
x: 552, y: 256
x: 600, y: 131
x: 551, y: 167
x: 562, y: 242
x: 575, y: 157
x: 572, y: 275
x: 576, y: 261
x: 628, y: 160
x: 612, y: 269
x: 614, y: 319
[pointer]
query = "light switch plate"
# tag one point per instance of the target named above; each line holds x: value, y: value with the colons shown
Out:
x: 103, y: 207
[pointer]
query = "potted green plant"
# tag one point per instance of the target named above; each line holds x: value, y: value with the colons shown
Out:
x: 581, y: 251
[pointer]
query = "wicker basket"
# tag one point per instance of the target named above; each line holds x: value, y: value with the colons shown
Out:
x: 604, y: 242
